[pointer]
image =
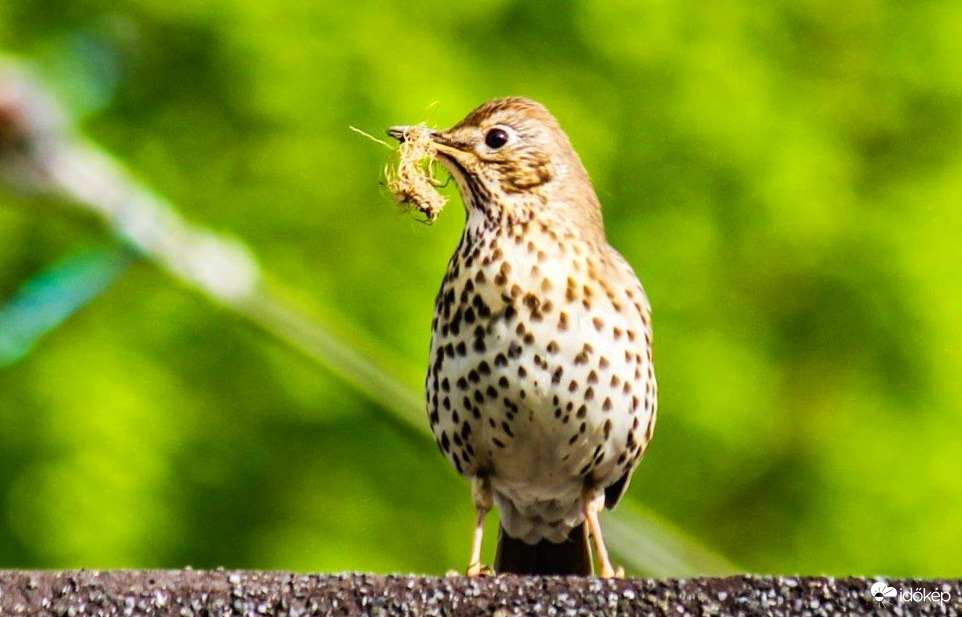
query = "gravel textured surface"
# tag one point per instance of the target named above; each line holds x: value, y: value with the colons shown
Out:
x: 188, y: 593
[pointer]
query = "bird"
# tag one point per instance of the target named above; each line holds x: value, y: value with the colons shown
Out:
x: 541, y: 387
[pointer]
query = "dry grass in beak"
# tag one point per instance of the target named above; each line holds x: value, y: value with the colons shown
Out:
x: 411, y: 180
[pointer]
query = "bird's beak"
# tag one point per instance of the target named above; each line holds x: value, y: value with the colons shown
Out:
x: 446, y: 150
x: 398, y: 132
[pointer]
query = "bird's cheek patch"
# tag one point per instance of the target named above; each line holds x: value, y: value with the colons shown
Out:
x: 525, y: 174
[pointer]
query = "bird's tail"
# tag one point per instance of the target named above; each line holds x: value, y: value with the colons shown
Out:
x: 573, y: 556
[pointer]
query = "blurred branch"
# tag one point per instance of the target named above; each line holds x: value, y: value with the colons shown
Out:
x: 657, y: 547
x: 40, y: 153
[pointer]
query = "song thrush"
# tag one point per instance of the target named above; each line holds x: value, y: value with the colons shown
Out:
x: 541, y: 388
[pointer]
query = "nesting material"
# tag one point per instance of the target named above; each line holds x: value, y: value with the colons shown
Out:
x: 412, y: 178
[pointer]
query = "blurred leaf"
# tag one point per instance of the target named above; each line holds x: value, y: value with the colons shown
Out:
x: 52, y: 296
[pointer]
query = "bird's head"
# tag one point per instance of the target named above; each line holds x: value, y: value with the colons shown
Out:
x: 509, y: 156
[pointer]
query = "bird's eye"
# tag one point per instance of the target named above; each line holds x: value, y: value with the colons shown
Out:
x: 495, y: 138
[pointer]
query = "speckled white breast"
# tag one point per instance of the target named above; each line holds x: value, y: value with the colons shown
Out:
x: 541, y: 373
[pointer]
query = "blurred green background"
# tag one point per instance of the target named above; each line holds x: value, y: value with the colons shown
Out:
x: 786, y: 178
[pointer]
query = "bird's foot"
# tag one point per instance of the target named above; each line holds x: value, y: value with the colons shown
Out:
x: 609, y: 572
x: 477, y: 570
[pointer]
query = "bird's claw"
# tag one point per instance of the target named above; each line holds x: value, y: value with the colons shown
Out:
x: 477, y: 570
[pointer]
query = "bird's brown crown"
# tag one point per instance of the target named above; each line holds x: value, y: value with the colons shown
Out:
x: 510, y: 153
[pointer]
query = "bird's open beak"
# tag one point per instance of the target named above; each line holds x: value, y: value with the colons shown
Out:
x: 447, y: 152
x: 398, y: 132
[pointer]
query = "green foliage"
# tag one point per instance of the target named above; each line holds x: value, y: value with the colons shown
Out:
x: 785, y: 178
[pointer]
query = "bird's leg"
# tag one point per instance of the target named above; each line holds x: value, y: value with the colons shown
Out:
x: 474, y: 564
x: 481, y: 493
x: 592, y: 503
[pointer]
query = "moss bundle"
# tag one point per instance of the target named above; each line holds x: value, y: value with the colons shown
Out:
x: 411, y: 179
